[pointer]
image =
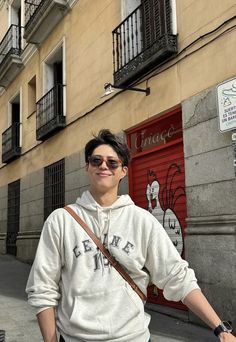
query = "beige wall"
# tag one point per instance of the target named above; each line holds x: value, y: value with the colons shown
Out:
x: 3, y: 19
x: 86, y: 30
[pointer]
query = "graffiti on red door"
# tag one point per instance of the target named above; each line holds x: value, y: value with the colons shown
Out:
x: 162, y: 202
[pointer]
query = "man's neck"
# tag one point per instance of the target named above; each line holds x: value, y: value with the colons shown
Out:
x: 104, y: 199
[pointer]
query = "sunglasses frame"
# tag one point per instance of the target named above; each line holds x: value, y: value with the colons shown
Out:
x: 106, y: 159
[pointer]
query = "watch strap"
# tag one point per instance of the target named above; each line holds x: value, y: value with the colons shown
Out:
x: 223, y: 327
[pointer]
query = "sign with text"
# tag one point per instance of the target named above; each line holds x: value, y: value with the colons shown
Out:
x: 226, y: 93
x: 155, y: 134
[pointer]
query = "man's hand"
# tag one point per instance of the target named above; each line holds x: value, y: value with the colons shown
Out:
x: 227, y: 337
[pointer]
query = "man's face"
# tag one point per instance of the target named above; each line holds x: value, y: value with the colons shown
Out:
x: 104, y: 177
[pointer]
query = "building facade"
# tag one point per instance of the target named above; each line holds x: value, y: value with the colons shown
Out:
x: 163, y: 63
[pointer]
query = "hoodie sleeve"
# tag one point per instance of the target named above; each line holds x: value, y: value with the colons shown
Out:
x: 43, y: 282
x: 168, y: 271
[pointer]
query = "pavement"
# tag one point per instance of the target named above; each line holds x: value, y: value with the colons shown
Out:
x: 18, y: 319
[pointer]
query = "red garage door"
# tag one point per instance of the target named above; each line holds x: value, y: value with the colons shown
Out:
x: 157, y: 181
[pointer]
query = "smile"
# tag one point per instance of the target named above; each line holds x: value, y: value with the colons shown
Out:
x: 102, y: 174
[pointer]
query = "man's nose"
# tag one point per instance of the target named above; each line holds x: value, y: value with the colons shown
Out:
x: 104, y: 165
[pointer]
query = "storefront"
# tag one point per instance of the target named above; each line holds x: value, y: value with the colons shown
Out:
x: 157, y: 179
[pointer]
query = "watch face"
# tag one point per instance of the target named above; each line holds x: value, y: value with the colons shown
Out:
x: 227, y: 326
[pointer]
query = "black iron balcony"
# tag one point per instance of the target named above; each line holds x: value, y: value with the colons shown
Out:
x: 10, y: 51
x: 143, y: 41
x: 49, y: 116
x: 41, y: 16
x: 11, y: 143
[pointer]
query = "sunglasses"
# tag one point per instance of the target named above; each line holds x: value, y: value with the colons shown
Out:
x: 112, y: 163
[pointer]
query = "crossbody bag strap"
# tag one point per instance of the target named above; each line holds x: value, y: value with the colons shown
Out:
x: 107, y: 254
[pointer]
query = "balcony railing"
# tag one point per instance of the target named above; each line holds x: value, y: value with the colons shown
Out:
x: 41, y: 16
x: 10, y: 50
x: 143, y: 40
x: 50, y: 117
x: 11, y: 143
x: 31, y: 7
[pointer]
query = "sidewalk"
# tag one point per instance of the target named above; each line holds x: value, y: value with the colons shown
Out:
x: 18, y: 319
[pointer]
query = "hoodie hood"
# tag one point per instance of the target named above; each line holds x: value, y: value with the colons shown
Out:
x: 88, y: 202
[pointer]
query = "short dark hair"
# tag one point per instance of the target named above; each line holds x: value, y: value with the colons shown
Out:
x: 106, y: 137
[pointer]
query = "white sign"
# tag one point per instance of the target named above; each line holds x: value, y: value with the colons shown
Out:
x: 226, y: 93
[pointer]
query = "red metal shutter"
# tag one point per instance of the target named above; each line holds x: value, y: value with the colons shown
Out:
x: 157, y: 183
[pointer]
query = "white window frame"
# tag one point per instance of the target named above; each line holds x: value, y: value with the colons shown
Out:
x: 47, y: 70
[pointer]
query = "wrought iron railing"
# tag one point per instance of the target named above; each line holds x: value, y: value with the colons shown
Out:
x: 31, y: 7
x: 11, y: 142
x: 127, y: 39
x: 144, y: 36
x: 11, y: 43
x: 49, y: 112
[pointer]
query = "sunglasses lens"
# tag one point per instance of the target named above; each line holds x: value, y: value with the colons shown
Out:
x: 111, y: 163
x: 95, y: 161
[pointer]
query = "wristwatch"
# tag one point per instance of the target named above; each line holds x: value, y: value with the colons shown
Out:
x: 224, y: 326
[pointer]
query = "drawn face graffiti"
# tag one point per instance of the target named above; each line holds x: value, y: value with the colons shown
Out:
x: 164, y: 209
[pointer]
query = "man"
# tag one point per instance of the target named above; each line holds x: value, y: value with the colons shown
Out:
x: 76, y: 291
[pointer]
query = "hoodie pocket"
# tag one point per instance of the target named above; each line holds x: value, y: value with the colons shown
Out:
x: 113, y: 313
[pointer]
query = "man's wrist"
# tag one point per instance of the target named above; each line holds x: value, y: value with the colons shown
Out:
x: 223, y: 328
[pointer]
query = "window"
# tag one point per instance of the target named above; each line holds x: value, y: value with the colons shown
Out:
x: 50, y: 116
x: 15, y: 17
x: 32, y: 96
x: 54, y: 187
x: 11, y: 137
x: 53, y: 69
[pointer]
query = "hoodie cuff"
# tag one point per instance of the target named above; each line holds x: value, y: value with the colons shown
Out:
x: 38, y: 310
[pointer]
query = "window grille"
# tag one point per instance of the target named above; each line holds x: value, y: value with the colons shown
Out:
x: 13, y: 214
x: 54, y: 187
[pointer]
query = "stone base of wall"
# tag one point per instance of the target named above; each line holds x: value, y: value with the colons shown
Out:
x: 2, y: 243
x: 27, y: 243
x: 210, y: 251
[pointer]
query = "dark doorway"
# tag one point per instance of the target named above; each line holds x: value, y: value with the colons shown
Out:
x: 13, y: 214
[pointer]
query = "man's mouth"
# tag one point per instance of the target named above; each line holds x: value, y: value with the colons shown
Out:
x: 103, y: 174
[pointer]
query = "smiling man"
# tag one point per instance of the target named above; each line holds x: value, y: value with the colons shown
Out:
x: 77, y: 293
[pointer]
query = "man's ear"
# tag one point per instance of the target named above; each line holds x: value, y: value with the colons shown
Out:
x: 125, y: 171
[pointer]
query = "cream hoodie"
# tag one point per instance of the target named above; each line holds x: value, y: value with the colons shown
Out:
x: 94, y: 303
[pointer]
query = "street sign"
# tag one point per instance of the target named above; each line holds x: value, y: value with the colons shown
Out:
x: 226, y: 94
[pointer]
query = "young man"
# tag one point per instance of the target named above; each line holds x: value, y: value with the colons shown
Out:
x: 76, y: 291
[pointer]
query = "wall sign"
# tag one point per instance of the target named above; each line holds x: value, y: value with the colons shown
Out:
x: 151, y: 136
x: 226, y: 93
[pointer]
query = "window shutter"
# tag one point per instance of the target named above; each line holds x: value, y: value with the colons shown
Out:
x: 156, y: 20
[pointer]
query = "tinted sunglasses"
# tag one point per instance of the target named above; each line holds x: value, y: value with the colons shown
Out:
x: 112, y: 163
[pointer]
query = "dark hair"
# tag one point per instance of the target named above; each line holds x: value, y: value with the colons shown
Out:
x: 106, y: 137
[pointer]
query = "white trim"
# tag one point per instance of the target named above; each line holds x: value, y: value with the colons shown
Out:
x: 21, y: 114
x: 173, y: 16
x: 64, y: 74
x: 72, y: 2
x: 2, y: 90
x: 46, y: 82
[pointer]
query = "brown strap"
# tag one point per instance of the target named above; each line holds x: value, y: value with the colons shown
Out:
x: 107, y: 254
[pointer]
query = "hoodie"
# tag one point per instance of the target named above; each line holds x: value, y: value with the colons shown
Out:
x: 93, y: 301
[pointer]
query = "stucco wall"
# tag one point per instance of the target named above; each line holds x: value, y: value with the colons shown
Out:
x: 87, y: 34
